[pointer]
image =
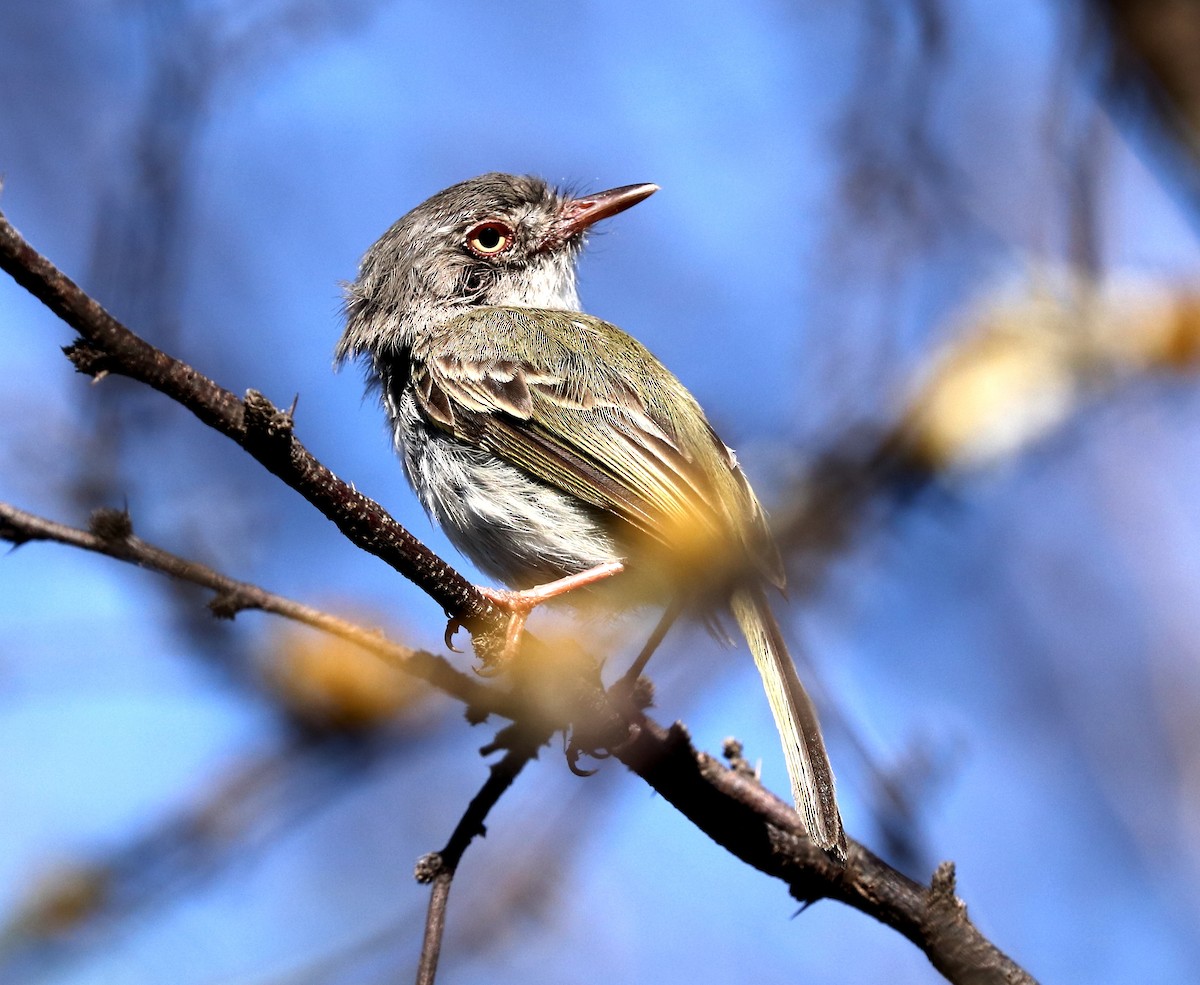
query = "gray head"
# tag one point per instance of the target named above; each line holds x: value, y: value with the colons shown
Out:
x: 498, y: 239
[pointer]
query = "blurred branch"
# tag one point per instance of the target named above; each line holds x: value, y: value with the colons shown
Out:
x: 187, y: 59
x: 1153, y: 69
x: 522, y: 885
x: 896, y: 177
x: 734, y: 810
x: 1025, y: 363
x: 1154, y: 46
x: 71, y: 908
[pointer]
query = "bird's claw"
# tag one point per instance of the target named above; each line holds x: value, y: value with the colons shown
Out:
x: 573, y: 754
x: 491, y: 669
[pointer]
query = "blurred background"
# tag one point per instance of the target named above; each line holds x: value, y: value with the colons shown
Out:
x: 931, y: 267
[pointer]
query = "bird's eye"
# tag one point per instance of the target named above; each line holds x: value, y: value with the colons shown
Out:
x: 489, y: 238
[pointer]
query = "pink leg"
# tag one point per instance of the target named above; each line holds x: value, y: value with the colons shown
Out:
x: 530, y: 598
x: 518, y: 605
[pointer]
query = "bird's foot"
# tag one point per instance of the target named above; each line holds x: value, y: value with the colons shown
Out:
x: 519, y: 604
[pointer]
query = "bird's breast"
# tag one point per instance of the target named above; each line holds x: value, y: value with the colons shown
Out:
x: 512, y: 526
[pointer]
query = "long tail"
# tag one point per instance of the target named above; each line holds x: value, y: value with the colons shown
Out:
x: 796, y: 719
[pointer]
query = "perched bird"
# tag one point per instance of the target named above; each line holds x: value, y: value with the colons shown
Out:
x: 553, y: 447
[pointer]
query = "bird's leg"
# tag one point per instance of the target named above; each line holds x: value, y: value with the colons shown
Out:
x: 518, y: 604
x: 624, y: 692
x: 667, y: 620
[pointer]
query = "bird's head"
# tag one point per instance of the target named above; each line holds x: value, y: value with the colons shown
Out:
x: 498, y: 239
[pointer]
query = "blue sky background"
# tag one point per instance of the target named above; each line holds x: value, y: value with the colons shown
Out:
x: 836, y: 203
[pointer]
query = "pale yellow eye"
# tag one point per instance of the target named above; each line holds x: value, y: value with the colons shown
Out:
x: 489, y: 238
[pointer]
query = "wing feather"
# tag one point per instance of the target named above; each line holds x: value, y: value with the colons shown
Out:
x: 548, y: 391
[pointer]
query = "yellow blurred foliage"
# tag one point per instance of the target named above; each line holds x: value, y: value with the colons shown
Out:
x: 1024, y: 364
x: 327, y: 683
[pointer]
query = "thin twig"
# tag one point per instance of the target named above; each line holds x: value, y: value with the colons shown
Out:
x: 438, y: 868
x: 435, y: 928
x: 111, y: 533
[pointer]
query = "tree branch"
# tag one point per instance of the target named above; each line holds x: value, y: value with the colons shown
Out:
x: 747, y: 820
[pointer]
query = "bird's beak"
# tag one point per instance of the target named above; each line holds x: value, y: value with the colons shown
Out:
x: 580, y: 213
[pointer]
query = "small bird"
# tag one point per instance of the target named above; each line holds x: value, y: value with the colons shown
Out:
x: 553, y: 448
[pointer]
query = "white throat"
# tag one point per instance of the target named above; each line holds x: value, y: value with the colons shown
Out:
x: 549, y: 285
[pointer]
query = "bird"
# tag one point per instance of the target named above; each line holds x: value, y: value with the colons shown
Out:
x: 554, y: 449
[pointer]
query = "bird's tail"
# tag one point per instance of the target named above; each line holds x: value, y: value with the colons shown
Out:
x: 796, y: 719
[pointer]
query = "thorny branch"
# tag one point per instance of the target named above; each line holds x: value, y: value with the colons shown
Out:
x: 732, y: 808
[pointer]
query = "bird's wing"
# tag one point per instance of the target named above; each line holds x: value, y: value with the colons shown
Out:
x: 582, y: 406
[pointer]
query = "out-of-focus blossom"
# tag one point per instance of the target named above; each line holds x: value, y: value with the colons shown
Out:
x: 326, y: 683
x: 1027, y: 362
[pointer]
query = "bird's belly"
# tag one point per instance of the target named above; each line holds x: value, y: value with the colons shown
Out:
x: 513, y: 527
